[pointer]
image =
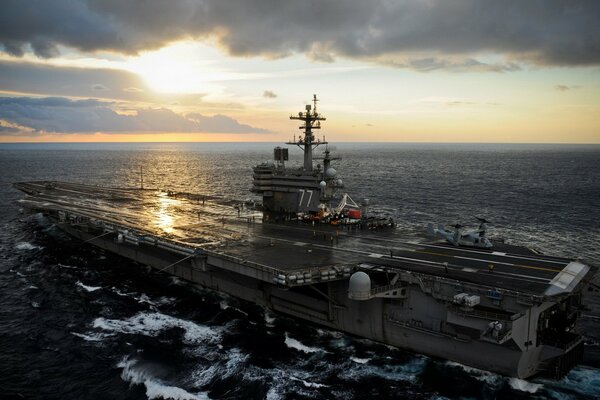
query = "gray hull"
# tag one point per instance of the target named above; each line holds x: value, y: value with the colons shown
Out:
x: 415, y: 322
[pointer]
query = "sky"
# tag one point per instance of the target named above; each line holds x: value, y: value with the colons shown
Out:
x: 487, y: 71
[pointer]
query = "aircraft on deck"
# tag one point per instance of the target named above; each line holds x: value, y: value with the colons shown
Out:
x: 458, y: 237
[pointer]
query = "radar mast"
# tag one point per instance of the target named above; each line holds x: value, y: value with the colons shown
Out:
x: 312, y: 120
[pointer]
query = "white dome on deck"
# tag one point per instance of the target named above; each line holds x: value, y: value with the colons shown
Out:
x: 360, y: 286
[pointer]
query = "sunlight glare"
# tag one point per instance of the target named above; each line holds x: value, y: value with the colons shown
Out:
x: 164, y: 219
x: 179, y: 68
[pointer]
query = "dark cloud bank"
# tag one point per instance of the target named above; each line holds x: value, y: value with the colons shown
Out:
x: 422, y: 35
x: 26, y: 115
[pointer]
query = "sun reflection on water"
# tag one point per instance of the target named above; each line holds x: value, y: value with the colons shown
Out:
x: 164, y: 216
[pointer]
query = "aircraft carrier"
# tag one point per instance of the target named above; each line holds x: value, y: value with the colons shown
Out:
x: 311, y: 252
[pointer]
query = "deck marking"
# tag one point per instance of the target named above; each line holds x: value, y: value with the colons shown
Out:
x: 499, y: 254
x: 491, y: 261
x: 511, y: 265
x: 509, y: 255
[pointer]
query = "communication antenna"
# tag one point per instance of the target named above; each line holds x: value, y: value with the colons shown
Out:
x: 311, y: 120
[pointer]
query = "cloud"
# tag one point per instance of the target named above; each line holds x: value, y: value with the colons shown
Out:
x: 133, y: 89
x: 422, y: 35
x: 35, y: 78
x: 31, y: 78
x: 62, y: 115
x: 269, y: 94
x: 454, y: 64
x: 564, y: 88
x: 6, y: 127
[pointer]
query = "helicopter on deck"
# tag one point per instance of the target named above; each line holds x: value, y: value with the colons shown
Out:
x: 458, y: 237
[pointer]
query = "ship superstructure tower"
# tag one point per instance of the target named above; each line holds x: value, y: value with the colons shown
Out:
x: 288, y: 191
x: 312, y: 120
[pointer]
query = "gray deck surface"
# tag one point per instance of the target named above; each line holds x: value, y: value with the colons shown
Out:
x: 214, y: 224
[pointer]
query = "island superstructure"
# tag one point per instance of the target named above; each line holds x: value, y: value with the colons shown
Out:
x: 507, y: 309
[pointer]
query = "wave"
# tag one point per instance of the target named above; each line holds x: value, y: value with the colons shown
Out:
x: 583, y: 381
x: 26, y: 246
x: 88, y: 288
x: 408, y: 371
x: 151, y: 324
x: 66, y: 266
x: 524, y: 386
x: 155, y: 388
x: 269, y: 318
x: 95, y: 337
x: 296, y: 345
x: 224, y: 306
x: 222, y: 365
x: 488, y: 377
x: 144, y: 298
x: 308, y: 384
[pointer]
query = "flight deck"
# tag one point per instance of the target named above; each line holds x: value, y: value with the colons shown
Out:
x: 236, y: 229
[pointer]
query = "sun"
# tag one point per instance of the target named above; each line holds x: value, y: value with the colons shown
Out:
x: 178, y: 68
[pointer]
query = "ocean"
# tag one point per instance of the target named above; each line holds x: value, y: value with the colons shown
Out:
x: 79, y: 323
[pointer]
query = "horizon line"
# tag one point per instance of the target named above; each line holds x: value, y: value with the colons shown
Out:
x: 333, y: 143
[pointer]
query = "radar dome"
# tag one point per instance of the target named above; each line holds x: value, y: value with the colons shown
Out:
x: 330, y: 173
x: 323, y: 184
x: 339, y: 182
x: 360, y: 286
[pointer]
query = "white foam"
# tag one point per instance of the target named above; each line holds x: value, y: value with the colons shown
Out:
x: 360, y: 360
x: 308, y: 384
x: 151, y: 324
x: 294, y: 344
x: 223, y: 365
x: 155, y: 389
x: 117, y: 291
x: 66, y: 266
x: 88, y: 288
x: 224, y: 306
x: 26, y: 246
x: 328, y: 333
x: 399, y: 372
x: 485, y: 376
x: 524, y: 386
x: 144, y: 298
x: 269, y: 318
x: 96, y: 337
